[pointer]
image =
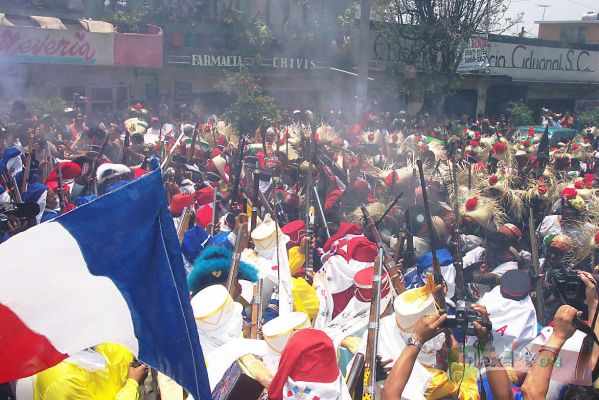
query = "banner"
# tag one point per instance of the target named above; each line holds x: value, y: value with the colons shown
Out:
x: 56, y: 46
x: 474, y: 57
x: 522, y: 61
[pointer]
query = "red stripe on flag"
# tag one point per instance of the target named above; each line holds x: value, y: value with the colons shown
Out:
x: 22, y: 351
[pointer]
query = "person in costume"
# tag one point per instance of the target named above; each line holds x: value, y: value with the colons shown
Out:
x: 308, y: 370
x: 103, y: 372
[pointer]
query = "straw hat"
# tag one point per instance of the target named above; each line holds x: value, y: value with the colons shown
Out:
x: 136, y: 125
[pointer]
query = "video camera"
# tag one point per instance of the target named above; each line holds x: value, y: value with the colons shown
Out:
x: 569, y: 285
x: 464, y: 319
x: 12, y: 211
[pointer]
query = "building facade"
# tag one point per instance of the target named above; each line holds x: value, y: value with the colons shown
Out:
x: 51, y: 57
x: 585, y: 30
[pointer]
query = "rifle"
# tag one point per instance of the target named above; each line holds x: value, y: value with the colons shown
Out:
x: 404, y: 250
x: 241, y: 242
x: 439, y: 297
x: 240, y: 150
x: 536, y: 269
x: 309, y: 216
x: 321, y: 212
x: 184, y: 223
x: 95, y: 165
x: 49, y: 160
x: 192, y: 149
x: 167, y: 160
x: 213, y: 220
x: 377, y: 223
x: 256, y: 310
x: 372, y: 337
x: 354, y: 373
x: 255, y: 196
x: 60, y: 188
x: 387, y: 261
x: 458, y: 259
x: 11, y: 187
x: 309, y: 252
x: 28, y: 158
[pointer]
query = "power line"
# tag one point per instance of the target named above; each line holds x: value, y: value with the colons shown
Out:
x: 583, y: 5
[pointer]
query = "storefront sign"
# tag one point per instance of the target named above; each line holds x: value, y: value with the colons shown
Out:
x: 539, y: 63
x: 474, y: 57
x: 56, y: 46
x: 225, y: 61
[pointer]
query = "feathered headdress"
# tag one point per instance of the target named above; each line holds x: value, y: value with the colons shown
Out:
x: 212, y: 268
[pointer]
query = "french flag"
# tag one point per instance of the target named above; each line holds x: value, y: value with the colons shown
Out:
x: 108, y: 271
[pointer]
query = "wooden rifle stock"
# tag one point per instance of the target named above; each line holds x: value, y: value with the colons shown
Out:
x: 184, y: 223
x: 355, y: 372
x: 241, y: 242
x: 256, y: 310
x: 536, y: 268
x: 438, y: 276
x: 11, y: 187
x: 400, y: 247
x: 394, y: 274
x: 373, y: 330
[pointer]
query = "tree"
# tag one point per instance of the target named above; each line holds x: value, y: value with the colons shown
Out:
x: 250, y: 107
x: 589, y: 118
x: 430, y: 35
x: 520, y: 114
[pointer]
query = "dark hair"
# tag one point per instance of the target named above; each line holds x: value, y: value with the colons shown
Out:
x: 498, y: 242
x: 19, y: 105
x: 581, y: 393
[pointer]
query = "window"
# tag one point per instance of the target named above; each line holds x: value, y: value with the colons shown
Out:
x: 573, y: 34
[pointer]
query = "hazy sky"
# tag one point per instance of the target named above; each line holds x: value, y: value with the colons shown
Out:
x: 558, y: 10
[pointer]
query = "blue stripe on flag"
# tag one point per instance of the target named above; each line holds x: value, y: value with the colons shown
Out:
x: 128, y: 236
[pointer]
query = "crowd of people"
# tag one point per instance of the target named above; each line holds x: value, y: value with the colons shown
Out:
x: 486, y: 234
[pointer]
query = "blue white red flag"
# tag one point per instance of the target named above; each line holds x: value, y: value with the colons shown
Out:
x: 109, y: 271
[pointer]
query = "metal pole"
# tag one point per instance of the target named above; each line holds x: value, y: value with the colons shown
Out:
x: 363, y: 58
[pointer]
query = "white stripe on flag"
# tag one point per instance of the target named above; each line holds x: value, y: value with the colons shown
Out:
x: 46, y: 283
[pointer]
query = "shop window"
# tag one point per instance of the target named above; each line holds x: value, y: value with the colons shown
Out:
x: 68, y: 93
x: 122, y: 97
x: 573, y: 34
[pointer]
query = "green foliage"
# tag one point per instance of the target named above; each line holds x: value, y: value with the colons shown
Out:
x: 250, y: 107
x: 53, y: 106
x: 589, y: 118
x: 520, y: 114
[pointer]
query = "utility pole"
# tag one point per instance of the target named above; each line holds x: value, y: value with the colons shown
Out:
x: 544, y: 7
x: 363, y: 58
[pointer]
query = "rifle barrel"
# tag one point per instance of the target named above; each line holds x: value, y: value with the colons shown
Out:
x: 240, y: 245
x: 440, y: 298
x: 536, y: 269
